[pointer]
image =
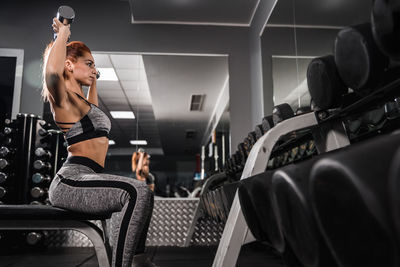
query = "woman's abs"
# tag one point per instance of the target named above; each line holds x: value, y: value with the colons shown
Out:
x: 95, y: 149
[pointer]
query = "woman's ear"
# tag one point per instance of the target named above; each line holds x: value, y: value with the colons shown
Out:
x: 68, y: 65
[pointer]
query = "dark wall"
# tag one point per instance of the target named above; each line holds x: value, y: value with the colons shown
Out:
x: 7, y: 70
x: 105, y: 26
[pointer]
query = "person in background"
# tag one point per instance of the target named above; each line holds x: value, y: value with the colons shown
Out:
x: 141, y: 168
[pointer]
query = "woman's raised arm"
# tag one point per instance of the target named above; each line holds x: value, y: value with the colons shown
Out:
x: 55, y: 63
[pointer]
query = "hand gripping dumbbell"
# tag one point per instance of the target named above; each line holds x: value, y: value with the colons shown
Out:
x: 65, y: 15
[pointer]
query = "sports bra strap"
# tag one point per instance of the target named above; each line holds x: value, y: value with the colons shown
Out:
x: 84, y: 99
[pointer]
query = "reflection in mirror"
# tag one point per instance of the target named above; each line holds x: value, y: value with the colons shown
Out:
x: 170, y: 101
x: 11, y: 65
x: 296, y: 32
x: 290, y: 81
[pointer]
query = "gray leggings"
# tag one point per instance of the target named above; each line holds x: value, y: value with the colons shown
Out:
x: 78, y: 187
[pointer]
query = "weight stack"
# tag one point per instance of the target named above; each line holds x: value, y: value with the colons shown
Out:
x: 30, y: 155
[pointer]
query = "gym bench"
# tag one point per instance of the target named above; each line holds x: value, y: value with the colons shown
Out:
x: 43, y: 217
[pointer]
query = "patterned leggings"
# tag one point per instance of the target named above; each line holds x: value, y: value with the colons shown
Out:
x: 78, y: 186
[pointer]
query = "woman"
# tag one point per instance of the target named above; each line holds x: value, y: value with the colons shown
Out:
x: 141, y: 168
x: 79, y: 185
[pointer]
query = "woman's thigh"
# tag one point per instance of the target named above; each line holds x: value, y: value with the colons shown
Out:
x: 96, y: 193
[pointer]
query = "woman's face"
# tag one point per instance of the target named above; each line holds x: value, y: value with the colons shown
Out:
x: 84, y: 70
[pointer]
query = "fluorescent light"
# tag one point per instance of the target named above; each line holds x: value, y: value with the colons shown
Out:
x: 138, y: 142
x: 107, y: 74
x: 122, y: 114
x: 111, y: 142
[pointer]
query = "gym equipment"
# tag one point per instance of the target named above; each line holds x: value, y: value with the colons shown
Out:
x: 259, y: 210
x: 267, y: 123
x: 291, y: 195
x: 259, y: 131
x: 324, y: 84
x: 44, y: 217
x: 65, y: 15
x: 359, y: 61
x: 282, y: 112
x: 349, y: 189
x: 385, y: 20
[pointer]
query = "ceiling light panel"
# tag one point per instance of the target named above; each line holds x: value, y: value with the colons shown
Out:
x: 102, y: 60
x: 107, y: 74
x: 138, y: 142
x: 122, y: 114
x: 126, y: 61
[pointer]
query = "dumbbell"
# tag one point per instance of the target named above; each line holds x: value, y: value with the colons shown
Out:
x: 267, y: 123
x: 243, y: 152
x: 252, y: 137
x: 293, y: 206
x: 65, y: 15
x: 259, y: 131
x: 258, y: 209
x: 324, y: 83
x: 282, y: 112
x: 385, y: 21
x: 349, y: 193
x: 360, y: 63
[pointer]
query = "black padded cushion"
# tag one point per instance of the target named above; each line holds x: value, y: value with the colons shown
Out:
x: 359, y: 61
x: 324, y: 83
x: 44, y: 212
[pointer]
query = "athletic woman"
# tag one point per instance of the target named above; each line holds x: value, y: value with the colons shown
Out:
x: 79, y: 185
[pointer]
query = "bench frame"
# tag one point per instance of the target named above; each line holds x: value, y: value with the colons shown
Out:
x: 98, y: 237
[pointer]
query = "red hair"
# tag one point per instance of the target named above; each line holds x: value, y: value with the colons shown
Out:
x: 75, y: 50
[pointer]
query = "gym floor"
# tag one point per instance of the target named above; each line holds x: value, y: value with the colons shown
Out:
x: 253, y: 254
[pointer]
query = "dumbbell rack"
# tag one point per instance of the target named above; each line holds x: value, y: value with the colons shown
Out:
x: 331, y: 134
x: 30, y: 155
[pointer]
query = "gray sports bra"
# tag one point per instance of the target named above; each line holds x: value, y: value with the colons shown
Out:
x: 94, y: 124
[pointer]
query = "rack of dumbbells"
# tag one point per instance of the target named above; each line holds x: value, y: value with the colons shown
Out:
x: 321, y: 188
x: 30, y: 155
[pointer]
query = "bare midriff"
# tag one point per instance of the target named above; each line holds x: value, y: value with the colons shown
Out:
x: 94, y: 149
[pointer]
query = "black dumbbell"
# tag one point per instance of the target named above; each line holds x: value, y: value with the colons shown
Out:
x: 252, y: 137
x: 359, y: 61
x: 259, y: 131
x: 385, y: 17
x: 65, y: 15
x: 282, y: 112
x: 267, y: 123
x: 324, y: 83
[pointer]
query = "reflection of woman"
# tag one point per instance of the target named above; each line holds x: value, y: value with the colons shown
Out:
x: 79, y: 185
x: 141, y: 168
